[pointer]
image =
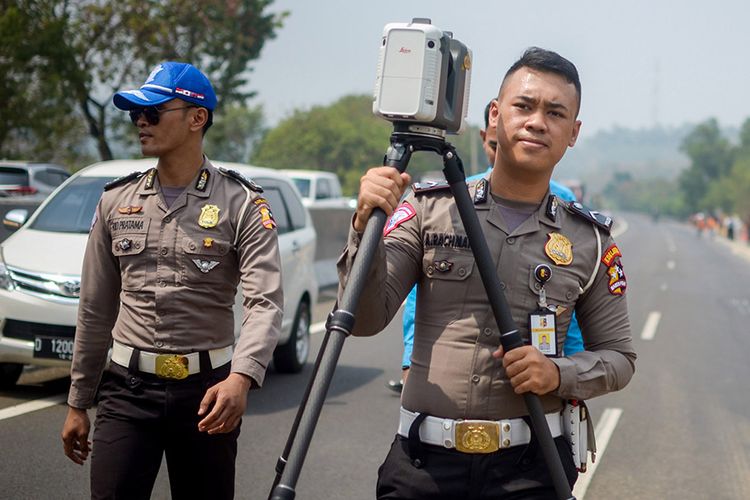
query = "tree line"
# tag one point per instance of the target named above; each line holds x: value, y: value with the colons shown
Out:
x: 717, y: 181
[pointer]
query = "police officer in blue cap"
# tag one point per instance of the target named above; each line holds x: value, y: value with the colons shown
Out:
x: 168, y: 248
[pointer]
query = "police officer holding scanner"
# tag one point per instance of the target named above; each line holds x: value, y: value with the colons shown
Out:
x: 166, y: 252
x: 463, y: 430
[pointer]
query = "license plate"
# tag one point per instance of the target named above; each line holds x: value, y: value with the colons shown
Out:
x: 53, y: 348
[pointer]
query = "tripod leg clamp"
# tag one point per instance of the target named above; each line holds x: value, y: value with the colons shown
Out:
x: 340, y: 320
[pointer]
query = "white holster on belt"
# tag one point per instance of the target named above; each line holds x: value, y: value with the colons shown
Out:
x: 579, y: 432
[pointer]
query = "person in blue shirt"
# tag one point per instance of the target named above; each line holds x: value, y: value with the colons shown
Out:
x: 573, y: 340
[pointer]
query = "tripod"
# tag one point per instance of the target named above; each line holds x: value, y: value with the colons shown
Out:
x: 404, y: 142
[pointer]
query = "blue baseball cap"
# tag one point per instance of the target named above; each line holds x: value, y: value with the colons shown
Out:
x: 169, y: 80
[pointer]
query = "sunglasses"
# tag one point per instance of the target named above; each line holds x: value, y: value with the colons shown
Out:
x: 151, y: 113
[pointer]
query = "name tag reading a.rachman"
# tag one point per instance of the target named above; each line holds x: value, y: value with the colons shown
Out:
x: 542, y: 331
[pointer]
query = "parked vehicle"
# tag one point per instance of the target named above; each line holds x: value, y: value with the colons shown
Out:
x: 18, y: 178
x: 318, y: 188
x: 40, y: 267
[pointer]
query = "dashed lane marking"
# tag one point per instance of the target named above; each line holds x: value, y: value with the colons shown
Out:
x: 671, y: 264
x: 652, y: 322
x: 603, y: 432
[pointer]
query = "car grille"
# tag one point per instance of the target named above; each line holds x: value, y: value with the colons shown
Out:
x: 25, y: 330
x: 46, y: 284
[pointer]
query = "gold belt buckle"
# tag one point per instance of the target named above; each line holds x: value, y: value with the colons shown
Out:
x: 477, y: 436
x: 172, y: 366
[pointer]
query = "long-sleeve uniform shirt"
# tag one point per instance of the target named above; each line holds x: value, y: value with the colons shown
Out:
x: 453, y: 373
x: 164, y: 279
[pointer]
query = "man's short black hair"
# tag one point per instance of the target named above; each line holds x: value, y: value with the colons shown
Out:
x: 548, y: 62
x: 487, y: 114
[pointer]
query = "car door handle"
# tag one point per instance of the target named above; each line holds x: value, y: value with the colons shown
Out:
x: 295, y: 247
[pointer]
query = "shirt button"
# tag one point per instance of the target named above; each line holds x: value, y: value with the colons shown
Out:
x: 502, y: 285
x: 487, y: 331
x: 168, y: 219
x: 462, y: 272
x: 568, y: 295
x: 159, y: 343
x: 510, y: 240
x: 164, y: 251
x: 162, y: 283
x: 192, y: 246
x: 537, y: 286
x: 475, y: 379
x: 429, y: 269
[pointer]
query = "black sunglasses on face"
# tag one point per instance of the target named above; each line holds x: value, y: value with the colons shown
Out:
x: 151, y: 113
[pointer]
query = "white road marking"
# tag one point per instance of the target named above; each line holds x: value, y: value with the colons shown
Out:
x: 671, y: 264
x: 603, y: 432
x: 652, y: 322
x: 37, y: 404
x: 317, y: 328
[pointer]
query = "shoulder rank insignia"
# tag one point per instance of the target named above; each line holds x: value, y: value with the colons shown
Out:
x: 241, y: 179
x: 559, y: 249
x: 123, y: 180
x: 209, y: 216
x: 552, y: 207
x: 603, y: 221
x: 428, y: 186
x: 480, y: 192
x: 202, y: 182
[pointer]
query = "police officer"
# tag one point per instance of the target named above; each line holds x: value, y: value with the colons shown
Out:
x: 166, y: 252
x: 463, y: 429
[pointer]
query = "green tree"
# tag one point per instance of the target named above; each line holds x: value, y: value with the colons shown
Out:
x: 234, y: 135
x: 38, y: 114
x: 346, y: 138
x: 105, y: 46
x: 711, y: 158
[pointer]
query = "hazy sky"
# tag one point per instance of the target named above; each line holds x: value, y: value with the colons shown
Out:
x: 641, y: 62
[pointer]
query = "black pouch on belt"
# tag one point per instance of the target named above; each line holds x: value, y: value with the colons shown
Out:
x: 133, y: 380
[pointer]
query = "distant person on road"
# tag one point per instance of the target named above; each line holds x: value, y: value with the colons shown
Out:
x: 463, y: 430
x: 166, y: 252
x: 573, y: 340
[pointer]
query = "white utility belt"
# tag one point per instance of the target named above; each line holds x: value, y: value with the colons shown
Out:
x: 167, y: 365
x: 474, y: 436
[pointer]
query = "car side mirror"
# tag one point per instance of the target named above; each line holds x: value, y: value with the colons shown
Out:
x: 15, y: 218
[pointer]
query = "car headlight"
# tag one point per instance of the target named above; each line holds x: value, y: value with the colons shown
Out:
x: 6, y: 282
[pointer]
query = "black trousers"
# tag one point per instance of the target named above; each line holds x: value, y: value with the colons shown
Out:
x: 446, y: 474
x: 141, y: 417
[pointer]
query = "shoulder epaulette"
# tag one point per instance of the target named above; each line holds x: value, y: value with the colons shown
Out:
x: 241, y: 179
x: 429, y: 186
x: 122, y: 180
x: 603, y: 221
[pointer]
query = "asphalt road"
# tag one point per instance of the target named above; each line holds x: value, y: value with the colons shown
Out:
x: 680, y: 430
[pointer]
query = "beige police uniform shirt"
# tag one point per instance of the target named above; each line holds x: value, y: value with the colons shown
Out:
x: 164, y: 279
x: 453, y: 373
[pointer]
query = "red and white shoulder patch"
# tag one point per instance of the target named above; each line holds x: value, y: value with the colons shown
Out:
x: 610, y: 254
x: 403, y: 213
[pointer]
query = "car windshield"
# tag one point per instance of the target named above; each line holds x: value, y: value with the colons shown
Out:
x: 303, y: 185
x: 72, y: 209
x: 15, y: 176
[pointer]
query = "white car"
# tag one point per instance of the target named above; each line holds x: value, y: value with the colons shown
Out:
x: 40, y: 268
x: 319, y: 188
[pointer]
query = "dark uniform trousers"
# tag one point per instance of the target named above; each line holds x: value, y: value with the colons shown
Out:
x: 139, y: 418
x: 428, y: 472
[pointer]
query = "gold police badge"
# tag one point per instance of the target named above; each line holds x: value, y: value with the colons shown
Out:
x: 559, y: 249
x: 209, y: 216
